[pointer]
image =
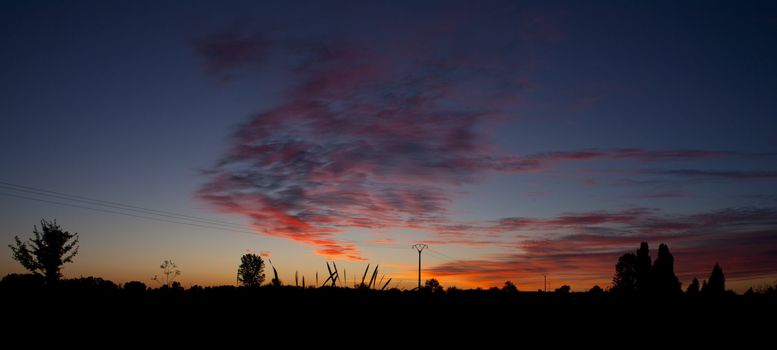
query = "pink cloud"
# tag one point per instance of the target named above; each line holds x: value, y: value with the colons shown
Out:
x: 379, y: 138
x: 743, y: 240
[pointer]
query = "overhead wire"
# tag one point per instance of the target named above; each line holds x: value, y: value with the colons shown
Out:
x: 123, y: 213
x: 135, y: 211
x: 111, y: 204
x: 118, y: 208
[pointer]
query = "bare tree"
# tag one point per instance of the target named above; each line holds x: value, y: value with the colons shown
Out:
x: 170, y: 271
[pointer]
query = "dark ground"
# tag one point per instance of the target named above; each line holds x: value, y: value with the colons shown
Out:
x: 339, y: 314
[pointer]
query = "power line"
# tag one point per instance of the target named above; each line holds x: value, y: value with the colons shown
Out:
x: 122, y: 213
x: 115, y: 205
x: 448, y: 257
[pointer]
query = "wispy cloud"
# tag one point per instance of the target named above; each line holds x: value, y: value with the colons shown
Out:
x: 379, y: 138
x: 714, y: 174
x: 742, y: 239
x: 659, y: 195
x: 362, y: 140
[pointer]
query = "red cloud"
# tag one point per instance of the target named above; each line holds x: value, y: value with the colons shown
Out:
x: 377, y: 137
x: 365, y: 139
x: 743, y: 240
x: 583, y: 261
x: 574, y: 220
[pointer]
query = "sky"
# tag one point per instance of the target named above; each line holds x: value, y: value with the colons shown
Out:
x: 518, y: 139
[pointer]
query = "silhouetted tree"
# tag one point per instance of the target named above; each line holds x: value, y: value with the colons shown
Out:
x: 89, y: 284
x: 625, y: 280
x: 565, y: 289
x: 433, y: 285
x: 693, y: 288
x: 717, y: 282
x: 251, y: 270
x: 135, y: 287
x: 509, y: 287
x: 47, y: 251
x: 642, y: 269
x: 664, y: 281
x: 596, y: 290
x: 22, y: 282
x: 176, y: 286
x: 634, y: 272
x: 170, y: 271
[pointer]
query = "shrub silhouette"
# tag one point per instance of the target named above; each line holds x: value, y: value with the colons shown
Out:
x: 509, y: 287
x: 135, y: 287
x: 433, y: 286
x: 89, y: 284
x: 693, y: 288
x: 22, y: 282
x: 47, y: 251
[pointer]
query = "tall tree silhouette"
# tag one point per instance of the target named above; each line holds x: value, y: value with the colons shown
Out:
x: 716, y: 284
x: 634, y: 272
x: 47, y: 251
x: 664, y: 281
x: 625, y: 280
x: 251, y: 270
x: 642, y: 269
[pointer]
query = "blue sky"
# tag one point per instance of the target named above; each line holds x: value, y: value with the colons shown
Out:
x: 383, y: 124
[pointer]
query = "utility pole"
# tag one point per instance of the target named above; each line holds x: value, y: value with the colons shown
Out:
x: 419, y: 247
x: 546, y: 283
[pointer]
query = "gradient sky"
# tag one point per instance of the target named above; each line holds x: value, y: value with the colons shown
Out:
x: 516, y: 138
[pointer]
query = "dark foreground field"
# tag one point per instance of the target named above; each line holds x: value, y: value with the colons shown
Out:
x: 231, y: 311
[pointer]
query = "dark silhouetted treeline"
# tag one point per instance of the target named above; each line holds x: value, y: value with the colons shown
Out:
x: 101, y: 303
x: 644, y: 293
